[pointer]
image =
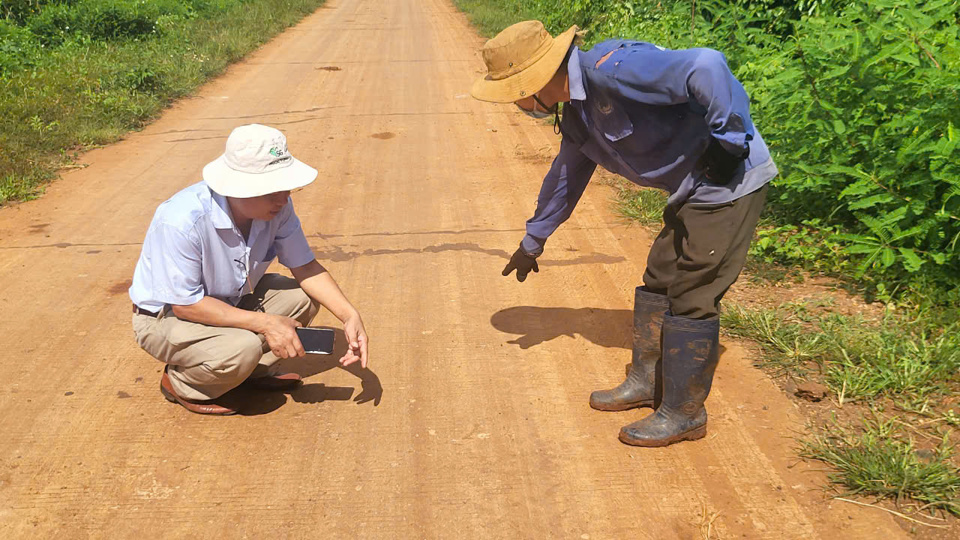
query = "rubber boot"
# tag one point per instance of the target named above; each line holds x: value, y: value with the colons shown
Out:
x: 640, y: 387
x: 690, y: 356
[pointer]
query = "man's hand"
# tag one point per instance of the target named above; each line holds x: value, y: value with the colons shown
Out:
x: 522, y: 263
x: 719, y: 165
x: 281, y: 336
x: 356, y: 342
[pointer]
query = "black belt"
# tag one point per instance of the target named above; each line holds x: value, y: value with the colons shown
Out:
x: 140, y: 311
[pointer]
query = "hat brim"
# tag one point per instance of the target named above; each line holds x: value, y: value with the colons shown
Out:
x: 529, y: 81
x: 230, y: 183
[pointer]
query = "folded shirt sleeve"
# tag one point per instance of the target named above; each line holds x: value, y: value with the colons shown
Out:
x: 293, y: 250
x: 561, y: 191
x: 656, y: 76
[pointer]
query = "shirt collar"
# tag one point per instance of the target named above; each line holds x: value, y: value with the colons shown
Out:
x: 575, y: 76
x: 220, y: 211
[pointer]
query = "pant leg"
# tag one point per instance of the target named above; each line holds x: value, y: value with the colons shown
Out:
x: 713, y: 250
x: 662, y: 259
x: 279, y: 295
x: 204, y: 362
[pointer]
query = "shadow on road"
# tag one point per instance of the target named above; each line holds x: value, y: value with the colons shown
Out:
x: 258, y: 402
x: 314, y: 364
x: 610, y: 328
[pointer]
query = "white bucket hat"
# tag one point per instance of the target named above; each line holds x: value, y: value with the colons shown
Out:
x: 256, y: 162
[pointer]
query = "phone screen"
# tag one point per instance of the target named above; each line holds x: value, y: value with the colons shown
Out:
x: 316, y: 340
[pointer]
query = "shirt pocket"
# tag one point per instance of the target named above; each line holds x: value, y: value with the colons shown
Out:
x: 609, y: 117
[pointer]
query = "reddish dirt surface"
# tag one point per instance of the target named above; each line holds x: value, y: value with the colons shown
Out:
x: 473, y: 420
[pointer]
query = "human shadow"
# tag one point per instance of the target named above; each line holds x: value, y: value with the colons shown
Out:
x: 611, y: 328
x: 319, y: 392
x: 250, y: 402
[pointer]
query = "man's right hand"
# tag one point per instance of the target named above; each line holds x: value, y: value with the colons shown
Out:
x: 281, y: 336
x: 522, y: 263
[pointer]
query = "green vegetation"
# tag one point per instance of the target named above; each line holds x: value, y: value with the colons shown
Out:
x: 858, y: 102
x: 858, y: 360
x: 906, y: 366
x: 80, y: 73
x: 876, y: 460
x: 643, y: 205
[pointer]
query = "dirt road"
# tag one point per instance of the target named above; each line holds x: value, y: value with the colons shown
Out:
x: 473, y: 421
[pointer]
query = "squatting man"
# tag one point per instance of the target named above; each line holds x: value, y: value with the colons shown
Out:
x: 677, y: 120
x: 202, y: 301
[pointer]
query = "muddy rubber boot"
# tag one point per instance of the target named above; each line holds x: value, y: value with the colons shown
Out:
x: 690, y: 356
x: 640, y: 387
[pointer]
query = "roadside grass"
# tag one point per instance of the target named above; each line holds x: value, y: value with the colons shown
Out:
x: 642, y: 205
x: 858, y: 360
x: 490, y: 17
x: 63, y: 91
x: 877, y: 459
x: 900, y: 370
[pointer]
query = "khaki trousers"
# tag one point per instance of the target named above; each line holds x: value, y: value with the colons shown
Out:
x: 204, y: 362
x: 700, y: 252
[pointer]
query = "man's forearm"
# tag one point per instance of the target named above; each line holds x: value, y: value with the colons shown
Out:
x: 320, y: 286
x: 213, y: 312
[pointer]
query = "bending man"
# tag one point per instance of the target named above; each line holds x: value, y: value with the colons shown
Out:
x: 677, y: 120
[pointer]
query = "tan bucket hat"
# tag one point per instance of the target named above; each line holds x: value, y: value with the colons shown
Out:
x: 520, y: 61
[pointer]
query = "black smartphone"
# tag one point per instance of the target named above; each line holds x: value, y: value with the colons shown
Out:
x: 316, y: 340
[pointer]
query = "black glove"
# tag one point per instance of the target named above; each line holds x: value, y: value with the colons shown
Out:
x: 719, y: 166
x: 522, y: 263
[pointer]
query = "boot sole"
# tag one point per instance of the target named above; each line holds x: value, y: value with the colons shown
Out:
x: 172, y: 399
x: 692, y: 435
x: 613, y: 407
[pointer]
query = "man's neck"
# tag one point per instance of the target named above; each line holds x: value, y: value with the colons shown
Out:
x: 558, y: 89
x: 239, y: 221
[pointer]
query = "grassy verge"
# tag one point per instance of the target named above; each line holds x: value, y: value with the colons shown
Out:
x: 859, y: 360
x: 877, y: 459
x: 892, y: 381
x: 63, y: 90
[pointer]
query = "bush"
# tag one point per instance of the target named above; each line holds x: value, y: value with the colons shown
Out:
x: 860, y: 112
x: 17, y: 47
x: 103, y: 20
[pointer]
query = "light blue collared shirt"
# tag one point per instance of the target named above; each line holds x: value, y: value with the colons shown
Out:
x: 193, y: 249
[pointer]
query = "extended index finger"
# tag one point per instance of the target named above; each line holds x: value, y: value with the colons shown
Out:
x: 363, y: 350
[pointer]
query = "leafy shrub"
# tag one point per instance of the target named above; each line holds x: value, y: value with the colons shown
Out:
x: 17, y: 47
x: 103, y: 20
x: 20, y: 10
x: 861, y: 115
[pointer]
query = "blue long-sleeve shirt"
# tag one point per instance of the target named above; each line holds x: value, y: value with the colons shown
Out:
x: 648, y: 114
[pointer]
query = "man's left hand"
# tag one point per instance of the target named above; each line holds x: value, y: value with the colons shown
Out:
x: 356, y: 342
